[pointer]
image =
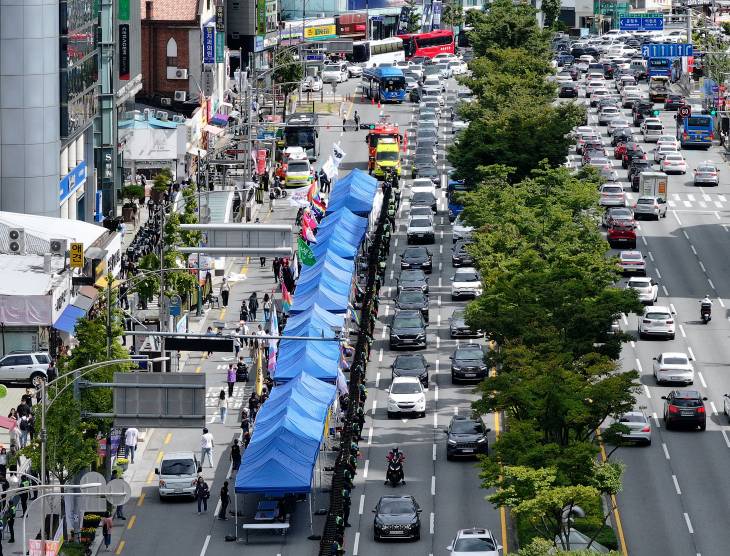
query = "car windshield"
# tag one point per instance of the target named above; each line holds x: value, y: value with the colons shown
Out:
x: 298, y: 167
x: 687, y: 402
x: 674, y: 360
x: 464, y: 426
x: 657, y: 316
x: 405, y: 388
x: 413, y: 274
x: 469, y: 353
x: 388, y: 156
x: 645, y: 201
x: 459, y: 314
x: 633, y: 418
x: 423, y: 197
x: 417, y: 252
x: 420, y: 223
x: 178, y: 467
x: 396, y: 506
x: 407, y: 322
x: 466, y: 277
x: 474, y: 544
x: 411, y: 296
x: 408, y: 362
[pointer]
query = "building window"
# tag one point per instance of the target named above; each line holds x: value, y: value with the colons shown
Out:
x: 171, y: 53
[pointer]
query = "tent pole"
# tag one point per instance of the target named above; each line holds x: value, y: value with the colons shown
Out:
x: 235, y: 501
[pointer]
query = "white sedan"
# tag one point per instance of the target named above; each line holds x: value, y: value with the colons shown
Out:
x: 612, y: 195
x: 406, y: 395
x: 673, y: 367
x: 354, y: 70
x: 312, y: 83
x: 674, y: 163
x: 663, y: 150
x: 618, y: 123
x: 647, y: 289
x: 668, y: 140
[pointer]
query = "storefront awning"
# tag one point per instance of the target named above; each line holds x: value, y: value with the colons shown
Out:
x: 89, y: 291
x: 102, y: 283
x: 213, y: 130
x: 67, y: 321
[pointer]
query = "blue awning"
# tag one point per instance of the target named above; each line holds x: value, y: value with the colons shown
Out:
x: 66, y: 322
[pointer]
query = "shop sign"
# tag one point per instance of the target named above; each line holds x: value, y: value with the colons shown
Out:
x: 320, y: 32
x: 124, y: 52
x: 74, y: 180
x: 208, y: 45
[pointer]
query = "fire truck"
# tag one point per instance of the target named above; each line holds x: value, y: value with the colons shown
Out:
x: 384, y: 128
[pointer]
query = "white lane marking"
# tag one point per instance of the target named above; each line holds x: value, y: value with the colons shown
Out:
x: 702, y: 379
x: 666, y: 451
x: 393, y: 258
x: 686, y: 235
x: 717, y: 214
x: 647, y: 391
x: 687, y: 204
x: 441, y: 266
x: 439, y: 281
x: 435, y: 392
x: 727, y: 440
x: 441, y: 248
x: 456, y: 411
x: 722, y: 198
x: 380, y: 358
x: 436, y: 368
x: 644, y: 240
x: 638, y: 366
x: 433, y: 485
x: 689, y: 523
x: 711, y: 284
x: 370, y: 436
x: 659, y: 274
x: 676, y: 217
x: 681, y: 329
x: 365, y: 471
x: 395, y: 244
x: 676, y: 485
x: 714, y: 408
x: 431, y: 523
x: 438, y: 320
x: 691, y: 354
x: 664, y: 289
x: 385, y: 331
x: 656, y: 418
x: 435, y: 420
x: 703, y: 267
x: 703, y: 204
x: 441, y: 235
x: 671, y: 306
x: 438, y: 342
x: 377, y: 379
x: 633, y: 344
x: 438, y: 301
x: 693, y: 249
x: 691, y: 197
x: 626, y: 320
x: 356, y: 546
x: 375, y: 406
x: 721, y: 302
x: 706, y: 197
x: 205, y: 545
x: 651, y: 256
x: 433, y: 456
x: 362, y: 504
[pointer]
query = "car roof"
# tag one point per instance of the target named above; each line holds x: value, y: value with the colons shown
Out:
x: 405, y: 379
x: 474, y: 532
x: 674, y: 354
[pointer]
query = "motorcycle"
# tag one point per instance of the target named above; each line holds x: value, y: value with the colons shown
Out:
x: 279, y: 192
x: 395, y: 474
x: 706, y: 313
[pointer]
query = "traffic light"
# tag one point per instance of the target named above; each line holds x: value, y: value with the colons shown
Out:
x: 367, y: 126
x: 655, y: 112
x: 713, y: 112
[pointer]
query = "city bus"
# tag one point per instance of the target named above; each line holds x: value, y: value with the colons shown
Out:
x: 375, y: 53
x: 696, y: 130
x: 659, y: 66
x: 301, y: 131
x: 428, y: 45
x: 386, y: 84
x: 455, y: 189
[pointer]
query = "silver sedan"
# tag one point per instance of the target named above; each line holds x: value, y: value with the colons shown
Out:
x: 639, y: 427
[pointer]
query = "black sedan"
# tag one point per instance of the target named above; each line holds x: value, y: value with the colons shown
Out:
x: 468, y: 363
x: 397, y: 517
x: 466, y: 437
x: 459, y: 255
x: 408, y: 330
x: 412, y: 279
x: 568, y: 90
x: 427, y: 171
x: 413, y: 299
x: 458, y: 327
x: 411, y: 364
x: 673, y: 102
x: 424, y: 199
x: 417, y: 257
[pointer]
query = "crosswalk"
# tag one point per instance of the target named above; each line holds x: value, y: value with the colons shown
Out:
x: 701, y: 201
x: 234, y: 402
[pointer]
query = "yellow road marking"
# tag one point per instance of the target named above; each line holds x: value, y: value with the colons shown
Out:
x: 160, y: 456
x: 502, y: 510
x: 223, y: 313
x: 120, y: 547
x: 131, y: 521
x: 150, y: 476
x: 168, y: 438
x: 614, y: 503
x: 198, y: 369
x: 141, y: 500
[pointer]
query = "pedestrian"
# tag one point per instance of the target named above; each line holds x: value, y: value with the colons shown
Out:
x: 237, y: 342
x: 13, y: 414
x: 272, y: 196
x: 24, y: 483
x: 356, y: 117
x: 243, y: 313
x: 241, y: 370
x: 253, y: 305
x: 225, y: 292
x: 119, y: 511
x: 202, y: 493
x: 210, y: 332
x: 106, y: 530
x: 245, y: 423
x: 51, y: 373
x: 151, y: 208
x: 223, y: 406
x: 131, y: 435
x: 235, y: 456
x: 31, y: 427
x: 206, y: 447
x: 123, y: 299
x: 28, y: 397
x: 9, y: 519
x: 246, y: 440
x: 3, y: 462
x: 344, y: 123
x: 23, y: 409
x: 231, y: 378
x: 267, y: 307
x: 253, y: 405
x: 262, y: 260
x: 275, y: 266
x: 225, y: 500
x: 23, y: 425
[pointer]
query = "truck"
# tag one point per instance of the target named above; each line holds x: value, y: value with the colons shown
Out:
x: 387, y: 157
x: 653, y: 184
x: 658, y: 88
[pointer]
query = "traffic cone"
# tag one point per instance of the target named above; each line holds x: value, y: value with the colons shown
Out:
x: 378, y: 104
x: 372, y: 101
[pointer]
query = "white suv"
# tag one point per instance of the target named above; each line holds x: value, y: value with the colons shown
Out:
x: 25, y: 366
x: 474, y: 541
x: 657, y: 321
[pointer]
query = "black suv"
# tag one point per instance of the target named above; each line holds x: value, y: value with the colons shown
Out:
x: 417, y: 257
x: 413, y: 299
x: 412, y: 279
x: 468, y: 363
x: 459, y: 254
x: 685, y: 407
x: 458, y: 327
x: 397, y: 517
x: 408, y: 330
x: 641, y: 110
x: 466, y: 437
x: 636, y: 167
x: 411, y: 364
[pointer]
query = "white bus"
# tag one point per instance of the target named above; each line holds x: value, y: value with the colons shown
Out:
x: 376, y: 53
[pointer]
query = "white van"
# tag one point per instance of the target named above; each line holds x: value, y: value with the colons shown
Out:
x: 335, y: 72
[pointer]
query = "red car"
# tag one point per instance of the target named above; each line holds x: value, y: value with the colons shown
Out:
x: 633, y: 151
x: 619, y: 150
x: 622, y: 234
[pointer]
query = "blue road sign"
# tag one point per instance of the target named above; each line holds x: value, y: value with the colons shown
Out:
x: 641, y: 23
x: 666, y: 50
x: 315, y: 57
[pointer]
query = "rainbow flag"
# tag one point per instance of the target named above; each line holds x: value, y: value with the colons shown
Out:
x: 286, y: 298
x: 313, y: 191
x: 319, y: 205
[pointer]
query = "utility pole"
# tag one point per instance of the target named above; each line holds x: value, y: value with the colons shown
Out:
x: 162, y: 312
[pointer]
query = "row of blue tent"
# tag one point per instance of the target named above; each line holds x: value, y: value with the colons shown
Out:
x: 289, y: 428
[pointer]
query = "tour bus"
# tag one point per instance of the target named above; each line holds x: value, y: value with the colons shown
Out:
x: 376, y: 53
x: 301, y: 131
x: 428, y: 45
x: 386, y: 84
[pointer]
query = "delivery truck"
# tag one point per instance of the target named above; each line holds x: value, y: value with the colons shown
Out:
x: 653, y: 184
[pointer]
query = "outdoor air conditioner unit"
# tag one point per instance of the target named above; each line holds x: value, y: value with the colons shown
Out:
x: 17, y: 241
x: 58, y: 246
x: 147, y: 112
x: 164, y: 116
x: 181, y: 73
x: 166, y: 101
x: 177, y: 118
x: 180, y: 96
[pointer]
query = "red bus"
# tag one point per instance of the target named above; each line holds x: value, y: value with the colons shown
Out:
x: 428, y: 44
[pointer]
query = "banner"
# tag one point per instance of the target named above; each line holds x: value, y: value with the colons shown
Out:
x: 209, y: 45
x: 220, y: 40
x: 405, y: 16
x: 305, y: 253
x: 329, y: 169
x: 123, y: 13
x: 337, y: 155
x: 436, y: 14
x: 427, y: 17
x: 298, y: 197
x: 320, y: 32
x: 124, y: 52
x: 260, y: 17
x: 220, y: 22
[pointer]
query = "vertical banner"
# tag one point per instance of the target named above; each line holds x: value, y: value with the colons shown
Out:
x: 220, y: 22
x: 405, y: 16
x: 436, y: 14
x: 124, y: 52
x: 427, y: 17
x: 208, y: 45
x: 260, y: 17
x: 123, y: 12
x: 219, y: 47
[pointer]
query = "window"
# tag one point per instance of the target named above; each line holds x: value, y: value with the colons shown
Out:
x: 17, y: 360
x: 171, y: 53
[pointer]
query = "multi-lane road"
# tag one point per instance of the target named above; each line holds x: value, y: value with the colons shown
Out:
x: 676, y: 492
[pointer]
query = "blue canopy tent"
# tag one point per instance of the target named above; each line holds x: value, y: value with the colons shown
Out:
x: 355, y: 191
x: 316, y: 322
x: 334, y: 244
x: 330, y: 300
x: 344, y: 219
x: 326, y: 274
x: 351, y: 235
x: 307, y: 385
x: 319, y: 359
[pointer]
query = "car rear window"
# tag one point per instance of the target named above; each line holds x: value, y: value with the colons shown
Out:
x: 687, y: 402
x: 474, y: 544
x: 612, y: 189
x: 657, y: 316
x: 632, y: 419
x: 645, y: 201
x: 675, y: 361
x: 654, y: 127
x: 43, y: 358
x: 178, y: 467
x: 638, y: 283
x: 710, y: 169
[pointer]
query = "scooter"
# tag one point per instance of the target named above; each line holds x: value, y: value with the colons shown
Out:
x: 706, y: 313
x: 394, y: 474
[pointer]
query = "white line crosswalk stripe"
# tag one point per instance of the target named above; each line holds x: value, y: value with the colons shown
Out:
x: 235, y: 401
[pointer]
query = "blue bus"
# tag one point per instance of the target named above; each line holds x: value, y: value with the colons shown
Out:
x: 386, y: 84
x: 659, y: 66
x: 696, y: 130
x: 454, y: 188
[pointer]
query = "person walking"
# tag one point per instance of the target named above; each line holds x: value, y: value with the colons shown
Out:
x: 235, y: 457
x: 245, y: 423
x: 253, y: 405
x: 275, y: 266
x: 344, y: 123
x: 225, y: 292
x: 10, y: 520
x: 356, y: 117
x: 243, y: 314
x: 123, y: 299
x: 206, y: 447
x: 231, y: 379
x: 237, y: 342
x: 202, y: 493
x: 267, y: 307
x: 131, y: 436
x: 106, y: 530
x: 225, y: 500
x: 223, y: 406
x: 253, y: 305
x: 119, y: 512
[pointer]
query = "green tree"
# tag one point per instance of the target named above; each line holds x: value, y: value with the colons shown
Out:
x: 550, y: 12
x: 288, y: 73
x: 414, y: 16
x: 508, y: 25
x: 542, y: 547
x: 452, y: 15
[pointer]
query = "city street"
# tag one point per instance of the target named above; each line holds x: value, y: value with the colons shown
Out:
x: 448, y: 492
